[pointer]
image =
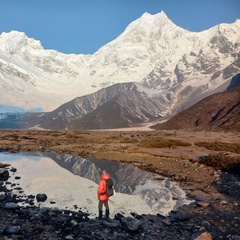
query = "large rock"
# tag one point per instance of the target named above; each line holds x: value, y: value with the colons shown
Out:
x: 202, y: 236
x: 12, y: 229
x: 130, y: 224
x: 4, y: 174
x: 10, y: 205
x: 41, y: 197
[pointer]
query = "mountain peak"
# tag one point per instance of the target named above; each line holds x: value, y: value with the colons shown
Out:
x: 17, y: 36
x: 14, y: 41
x: 162, y: 15
x: 158, y: 18
x: 149, y: 23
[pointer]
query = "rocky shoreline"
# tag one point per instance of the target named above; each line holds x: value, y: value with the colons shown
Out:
x: 32, y: 221
x: 213, y: 214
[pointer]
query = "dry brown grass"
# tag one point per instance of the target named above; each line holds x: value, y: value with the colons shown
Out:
x: 220, y: 146
x: 223, y: 162
x: 128, y: 140
x: 157, y: 142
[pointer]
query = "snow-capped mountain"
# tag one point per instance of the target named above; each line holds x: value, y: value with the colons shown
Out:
x: 182, y: 66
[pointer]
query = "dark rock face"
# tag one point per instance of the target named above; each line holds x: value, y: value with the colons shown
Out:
x: 235, y: 81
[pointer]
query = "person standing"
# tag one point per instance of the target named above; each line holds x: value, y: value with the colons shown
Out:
x: 102, y: 196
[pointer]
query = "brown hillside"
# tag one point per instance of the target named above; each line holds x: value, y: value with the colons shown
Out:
x: 217, y: 112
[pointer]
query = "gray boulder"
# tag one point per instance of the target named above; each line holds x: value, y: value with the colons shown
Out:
x: 41, y: 197
x: 131, y: 224
x: 4, y: 174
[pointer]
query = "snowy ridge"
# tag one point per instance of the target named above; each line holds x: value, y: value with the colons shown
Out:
x: 152, y: 51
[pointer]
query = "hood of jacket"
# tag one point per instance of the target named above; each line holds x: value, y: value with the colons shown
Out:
x: 105, y: 176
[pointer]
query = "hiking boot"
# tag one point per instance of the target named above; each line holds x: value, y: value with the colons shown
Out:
x: 100, y: 214
x: 107, y: 214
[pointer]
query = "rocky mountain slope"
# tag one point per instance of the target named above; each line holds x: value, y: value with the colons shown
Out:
x: 183, y: 66
x: 120, y: 105
x: 220, y: 111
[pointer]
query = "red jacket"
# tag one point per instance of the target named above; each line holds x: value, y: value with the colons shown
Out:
x: 102, y: 187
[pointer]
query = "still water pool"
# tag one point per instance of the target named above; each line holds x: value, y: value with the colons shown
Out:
x: 70, y: 181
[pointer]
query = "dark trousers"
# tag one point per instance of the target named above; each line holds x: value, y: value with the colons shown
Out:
x: 100, y: 206
x: 101, y: 203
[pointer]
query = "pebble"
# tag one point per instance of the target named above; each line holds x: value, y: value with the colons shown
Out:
x: 203, y: 204
x: 12, y: 229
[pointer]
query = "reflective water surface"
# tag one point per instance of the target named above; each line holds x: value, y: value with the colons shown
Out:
x: 70, y: 181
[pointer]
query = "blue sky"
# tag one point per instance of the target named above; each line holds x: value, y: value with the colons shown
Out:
x: 83, y: 26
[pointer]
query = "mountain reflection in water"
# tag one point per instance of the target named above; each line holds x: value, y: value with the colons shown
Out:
x: 136, y: 190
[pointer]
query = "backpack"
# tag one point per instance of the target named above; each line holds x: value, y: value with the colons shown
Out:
x: 109, y: 187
